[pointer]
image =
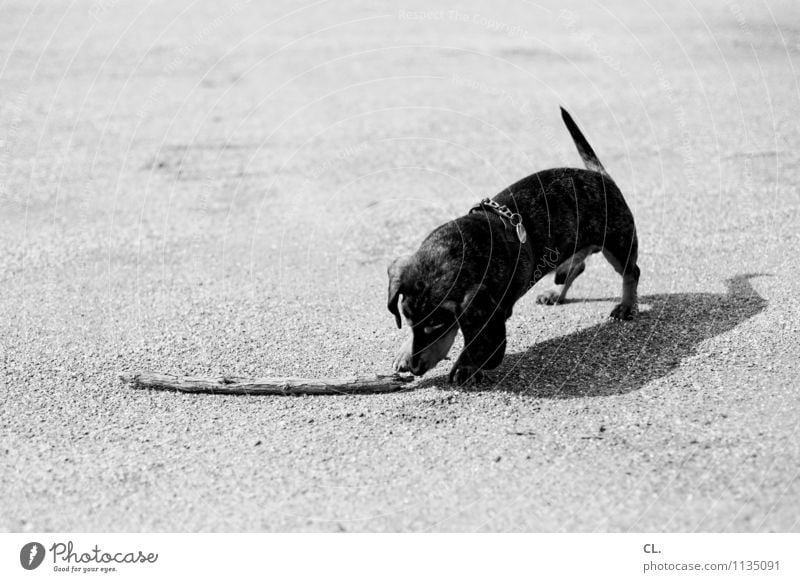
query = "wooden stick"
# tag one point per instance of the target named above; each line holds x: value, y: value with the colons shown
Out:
x: 279, y: 386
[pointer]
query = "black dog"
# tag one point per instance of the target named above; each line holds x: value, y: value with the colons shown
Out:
x: 469, y: 272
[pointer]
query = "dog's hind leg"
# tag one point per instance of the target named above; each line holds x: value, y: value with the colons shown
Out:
x: 623, y: 258
x: 566, y: 273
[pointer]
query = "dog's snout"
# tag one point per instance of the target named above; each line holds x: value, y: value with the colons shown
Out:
x: 418, y: 366
x: 427, y: 352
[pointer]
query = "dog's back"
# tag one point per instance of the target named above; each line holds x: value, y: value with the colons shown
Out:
x: 571, y: 207
x: 571, y: 213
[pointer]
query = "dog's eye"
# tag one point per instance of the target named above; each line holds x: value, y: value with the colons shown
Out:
x: 429, y: 329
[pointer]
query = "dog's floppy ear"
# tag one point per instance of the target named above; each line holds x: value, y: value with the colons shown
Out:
x: 483, y: 323
x: 396, y: 270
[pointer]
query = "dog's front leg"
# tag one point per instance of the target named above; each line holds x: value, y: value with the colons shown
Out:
x: 402, y: 361
x: 482, y: 323
x: 464, y: 372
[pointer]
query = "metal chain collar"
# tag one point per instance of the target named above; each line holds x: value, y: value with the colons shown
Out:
x: 513, y: 218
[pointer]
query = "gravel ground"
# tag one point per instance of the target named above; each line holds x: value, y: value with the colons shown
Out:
x: 200, y: 189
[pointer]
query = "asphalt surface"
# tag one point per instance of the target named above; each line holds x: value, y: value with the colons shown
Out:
x: 199, y: 189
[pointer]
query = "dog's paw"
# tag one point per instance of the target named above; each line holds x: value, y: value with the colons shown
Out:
x: 549, y: 298
x: 465, y: 375
x: 623, y: 311
x: 402, y: 361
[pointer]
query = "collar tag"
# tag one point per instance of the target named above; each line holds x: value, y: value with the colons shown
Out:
x: 521, y: 234
x: 514, y: 218
x: 516, y: 221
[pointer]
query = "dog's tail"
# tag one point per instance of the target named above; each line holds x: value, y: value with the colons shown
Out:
x: 584, y: 149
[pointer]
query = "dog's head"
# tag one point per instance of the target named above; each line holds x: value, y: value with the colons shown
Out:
x: 436, y: 303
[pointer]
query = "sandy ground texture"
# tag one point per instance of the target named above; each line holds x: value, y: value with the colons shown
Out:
x: 201, y: 188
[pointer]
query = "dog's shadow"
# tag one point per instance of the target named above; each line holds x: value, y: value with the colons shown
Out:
x: 619, y: 357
